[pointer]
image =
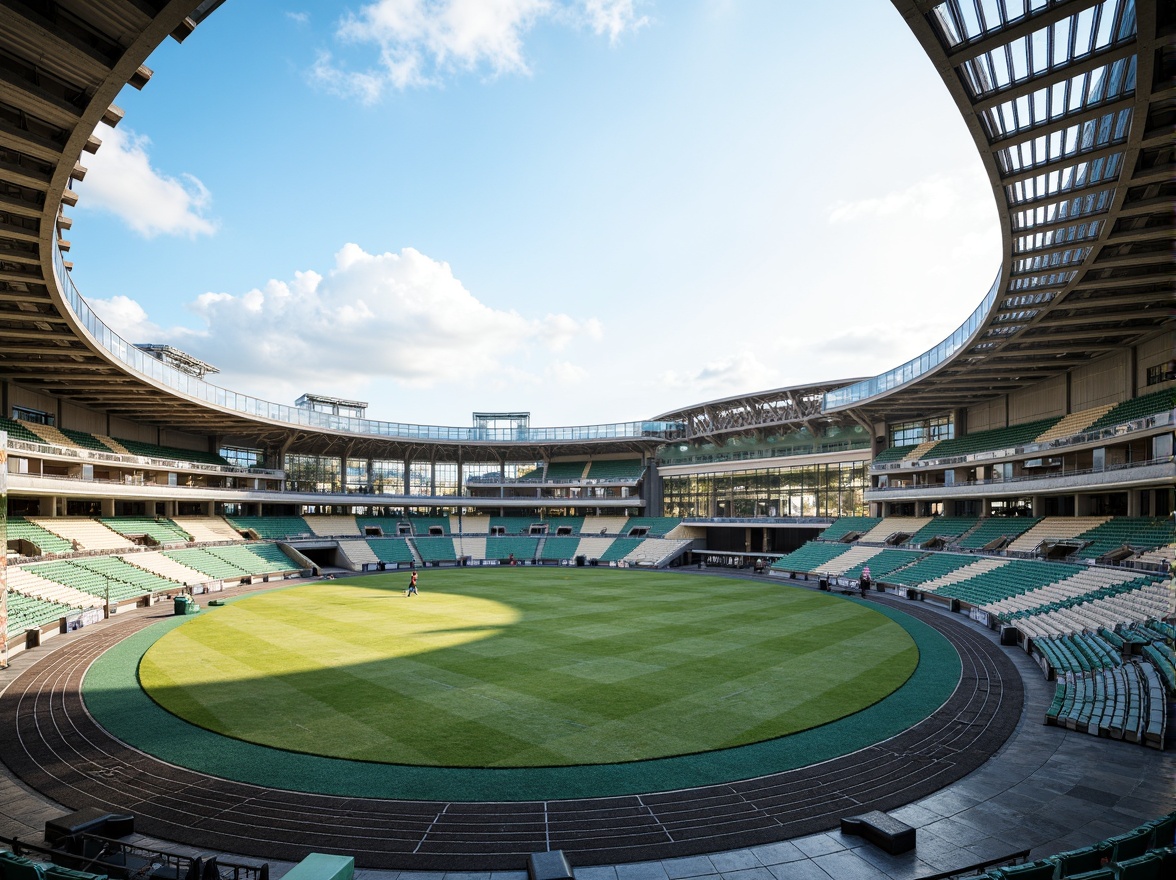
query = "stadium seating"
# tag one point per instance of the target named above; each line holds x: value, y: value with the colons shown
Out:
x: 1137, y: 408
x: 622, y: 470
x: 565, y: 471
x: 891, y: 526
x: 271, y: 554
x: 557, y: 548
x: 87, y: 579
x: 86, y: 441
x: 358, y: 551
x: 853, y: 558
x: 619, y: 549
x: 473, y: 546
x: 657, y: 526
x: 894, y: 453
x: 603, y: 525
x: 18, y: 431
x: 959, y: 574
x: 43, y: 539
x: 656, y: 551
x: 26, y: 612
x: 226, y: 563
x: 512, y: 525
x: 332, y: 526
x: 162, y: 531
x: 435, y: 549
x: 983, y: 441
x: 172, y: 453
x: 882, y: 563
x: 166, y: 567
x: 996, y: 529
x: 393, y: 550
x: 574, y: 524
x: 1074, y: 423
x: 23, y: 581
x: 811, y: 557
x: 89, y: 534
x: 1017, y: 577
x: 1138, y: 533
x: 388, y: 525
x: 207, y: 529
x: 849, y: 525
x: 469, y: 525
x: 523, y: 548
x: 930, y: 568
x: 1054, y: 528
x: 593, y: 548
x: 947, y: 528
x: 274, y: 528
x: 424, y: 525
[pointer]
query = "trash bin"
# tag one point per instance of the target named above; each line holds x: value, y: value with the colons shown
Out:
x: 180, y: 607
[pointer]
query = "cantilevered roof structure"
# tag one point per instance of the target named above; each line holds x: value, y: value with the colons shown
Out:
x: 1072, y: 105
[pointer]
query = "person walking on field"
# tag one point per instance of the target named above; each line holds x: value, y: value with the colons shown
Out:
x: 412, y: 586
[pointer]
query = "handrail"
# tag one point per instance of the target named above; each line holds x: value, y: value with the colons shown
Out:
x: 1024, y: 478
x: 138, y: 460
x: 1146, y: 423
x: 180, y: 382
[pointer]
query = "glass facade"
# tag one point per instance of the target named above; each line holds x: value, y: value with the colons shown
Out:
x: 913, y: 433
x: 313, y: 473
x: 835, y: 438
x: 445, y: 480
x: 243, y: 458
x: 420, y: 478
x: 836, y: 489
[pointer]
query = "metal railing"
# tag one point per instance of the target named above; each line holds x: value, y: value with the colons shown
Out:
x: 929, y: 360
x: 94, y: 455
x: 148, y: 367
x: 1147, y: 423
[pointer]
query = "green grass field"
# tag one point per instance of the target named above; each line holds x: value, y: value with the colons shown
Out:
x: 526, y: 668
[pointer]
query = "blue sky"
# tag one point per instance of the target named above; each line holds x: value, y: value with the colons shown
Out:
x: 592, y: 210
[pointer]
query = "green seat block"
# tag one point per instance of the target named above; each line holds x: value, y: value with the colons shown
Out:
x: 1132, y: 844
x: 318, y: 866
x: 1145, y: 867
x: 14, y: 867
x: 57, y: 872
x: 1080, y: 861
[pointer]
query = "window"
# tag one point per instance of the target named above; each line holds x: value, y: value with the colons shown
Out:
x: 35, y: 416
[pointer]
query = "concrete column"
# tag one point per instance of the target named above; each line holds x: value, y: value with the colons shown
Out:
x: 48, y: 505
x: 1038, y: 505
x: 108, y: 507
x: 1134, y: 499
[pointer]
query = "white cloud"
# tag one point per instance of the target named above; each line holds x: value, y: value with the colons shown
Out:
x: 122, y: 181
x: 421, y: 42
x: 938, y: 197
x: 300, y: 18
x: 734, y: 374
x: 372, y: 318
x: 613, y: 17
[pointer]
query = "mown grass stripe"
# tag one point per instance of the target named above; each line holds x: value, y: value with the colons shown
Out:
x: 113, y: 695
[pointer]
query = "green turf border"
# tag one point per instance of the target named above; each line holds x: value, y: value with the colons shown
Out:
x: 113, y: 696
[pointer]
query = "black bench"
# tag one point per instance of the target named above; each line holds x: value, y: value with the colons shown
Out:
x: 882, y: 830
x: 89, y: 820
